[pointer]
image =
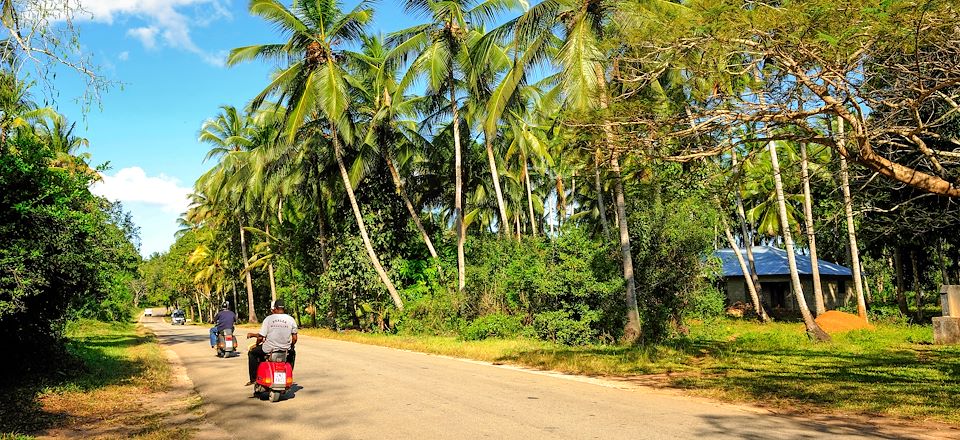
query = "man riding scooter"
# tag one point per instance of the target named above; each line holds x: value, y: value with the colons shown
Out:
x: 224, y: 320
x: 277, y: 333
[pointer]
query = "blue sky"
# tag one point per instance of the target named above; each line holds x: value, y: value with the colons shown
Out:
x: 168, y: 55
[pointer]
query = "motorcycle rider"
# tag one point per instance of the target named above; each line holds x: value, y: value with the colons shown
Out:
x: 224, y: 319
x: 278, y: 332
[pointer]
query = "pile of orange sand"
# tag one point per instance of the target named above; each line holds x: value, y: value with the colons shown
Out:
x: 835, y: 322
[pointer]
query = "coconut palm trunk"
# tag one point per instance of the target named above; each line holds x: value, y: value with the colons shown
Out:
x: 601, y: 204
x: 458, y: 191
x: 748, y: 245
x: 233, y: 287
x: 338, y: 154
x: 273, y: 282
x: 901, y: 291
x: 632, y: 330
x: 820, y: 307
x: 851, y: 229
x: 754, y: 298
x: 813, y: 329
x: 526, y: 179
x: 406, y: 201
x: 495, y: 175
x: 251, y: 311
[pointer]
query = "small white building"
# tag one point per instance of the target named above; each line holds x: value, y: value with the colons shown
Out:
x: 774, y: 274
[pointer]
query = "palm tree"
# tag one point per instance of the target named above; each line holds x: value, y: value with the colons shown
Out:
x: 313, y: 86
x: 388, y: 129
x: 579, y: 27
x: 440, y: 48
x: 811, y: 236
x: 813, y: 329
x: 231, y: 134
x: 746, y: 233
x: 851, y: 229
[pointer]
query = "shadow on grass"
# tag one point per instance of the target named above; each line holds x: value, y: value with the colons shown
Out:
x: 869, y: 373
x: 89, y: 363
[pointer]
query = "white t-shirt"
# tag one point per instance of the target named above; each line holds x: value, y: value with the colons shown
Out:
x: 277, y: 328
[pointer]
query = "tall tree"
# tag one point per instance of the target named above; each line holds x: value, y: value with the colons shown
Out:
x: 851, y: 228
x: 813, y: 329
x: 811, y: 235
x: 313, y: 85
x: 440, y: 48
x: 231, y: 133
x: 389, y: 128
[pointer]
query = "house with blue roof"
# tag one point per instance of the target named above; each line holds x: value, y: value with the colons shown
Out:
x: 774, y: 274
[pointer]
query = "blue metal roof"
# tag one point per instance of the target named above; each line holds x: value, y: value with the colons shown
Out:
x: 773, y: 261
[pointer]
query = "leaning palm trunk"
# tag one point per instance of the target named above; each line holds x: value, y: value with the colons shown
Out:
x: 748, y: 245
x: 458, y: 197
x: 813, y: 330
x: 273, y: 282
x: 495, y: 175
x: 811, y: 236
x: 251, y: 311
x: 406, y: 201
x: 526, y: 178
x: 851, y: 230
x: 360, y: 225
x: 743, y: 268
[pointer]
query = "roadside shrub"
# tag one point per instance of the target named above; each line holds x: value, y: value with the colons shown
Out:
x: 708, y: 303
x: 496, y: 325
x: 564, y: 327
x: 669, y: 238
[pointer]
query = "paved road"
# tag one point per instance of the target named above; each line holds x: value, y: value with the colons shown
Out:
x: 352, y: 391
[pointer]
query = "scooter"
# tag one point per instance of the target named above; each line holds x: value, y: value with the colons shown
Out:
x: 226, y: 344
x: 274, y: 376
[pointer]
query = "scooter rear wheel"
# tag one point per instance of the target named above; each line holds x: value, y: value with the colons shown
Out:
x: 275, y: 396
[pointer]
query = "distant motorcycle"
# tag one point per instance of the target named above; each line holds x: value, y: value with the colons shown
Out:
x: 226, y: 344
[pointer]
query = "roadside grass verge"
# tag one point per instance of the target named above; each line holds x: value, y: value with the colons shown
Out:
x: 893, y: 370
x: 111, y: 369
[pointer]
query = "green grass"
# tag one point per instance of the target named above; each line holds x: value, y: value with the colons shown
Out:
x: 109, y: 368
x: 893, y: 370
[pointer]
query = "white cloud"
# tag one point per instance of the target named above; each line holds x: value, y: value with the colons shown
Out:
x: 133, y: 185
x: 146, y: 35
x: 168, y: 21
x: 123, y: 56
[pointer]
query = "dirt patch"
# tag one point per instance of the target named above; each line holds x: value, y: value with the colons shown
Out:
x: 836, y: 322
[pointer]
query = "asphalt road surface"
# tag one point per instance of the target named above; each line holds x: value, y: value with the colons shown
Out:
x: 352, y: 391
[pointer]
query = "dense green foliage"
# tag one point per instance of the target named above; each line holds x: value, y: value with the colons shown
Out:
x: 63, y: 252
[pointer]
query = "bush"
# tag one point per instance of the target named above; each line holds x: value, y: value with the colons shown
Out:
x: 433, y: 315
x: 563, y: 327
x: 708, y: 303
x: 496, y: 325
x: 669, y: 241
